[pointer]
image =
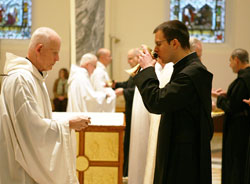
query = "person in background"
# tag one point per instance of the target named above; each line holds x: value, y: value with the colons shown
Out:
x: 60, y: 89
x: 236, y: 128
x: 100, y: 77
x: 127, y: 89
x: 196, y: 46
x: 34, y: 147
x: 81, y: 95
x: 185, y: 130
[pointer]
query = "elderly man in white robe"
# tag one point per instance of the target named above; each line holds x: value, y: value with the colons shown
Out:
x: 81, y: 95
x: 144, y: 133
x: 34, y: 147
x: 100, y: 77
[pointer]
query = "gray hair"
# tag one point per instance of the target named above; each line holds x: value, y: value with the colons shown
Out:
x: 193, y: 43
x: 241, y: 54
x: 42, y: 35
x: 88, y: 58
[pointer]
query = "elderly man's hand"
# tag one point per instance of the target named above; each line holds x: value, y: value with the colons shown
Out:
x: 145, y: 59
x: 119, y: 91
x: 79, y: 123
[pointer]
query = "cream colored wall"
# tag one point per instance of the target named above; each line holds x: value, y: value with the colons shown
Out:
x: 132, y: 22
x: 54, y: 14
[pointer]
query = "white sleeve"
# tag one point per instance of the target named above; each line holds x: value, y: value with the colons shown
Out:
x: 98, y: 79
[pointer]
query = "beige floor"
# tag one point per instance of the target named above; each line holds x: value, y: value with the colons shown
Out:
x: 216, y: 145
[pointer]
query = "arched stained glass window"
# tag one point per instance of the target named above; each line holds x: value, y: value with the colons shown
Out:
x: 205, y: 19
x: 15, y: 19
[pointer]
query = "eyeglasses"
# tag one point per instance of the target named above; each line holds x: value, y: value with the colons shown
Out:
x: 158, y: 43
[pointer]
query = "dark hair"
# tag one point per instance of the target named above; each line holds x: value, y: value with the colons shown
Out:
x: 175, y: 29
x: 65, y: 71
x: 241, y: 54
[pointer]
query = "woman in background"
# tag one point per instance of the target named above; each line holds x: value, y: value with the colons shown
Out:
x: 60, y: 91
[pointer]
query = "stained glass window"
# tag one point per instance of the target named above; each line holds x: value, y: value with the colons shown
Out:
x: 15, y: 19
x: 205, y: 19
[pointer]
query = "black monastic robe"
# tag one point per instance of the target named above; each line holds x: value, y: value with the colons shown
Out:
x: 236, y: 129
x: 128, y: 93
x: 185, y: 131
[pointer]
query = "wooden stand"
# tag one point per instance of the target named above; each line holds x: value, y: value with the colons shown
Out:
x: 100, y: 149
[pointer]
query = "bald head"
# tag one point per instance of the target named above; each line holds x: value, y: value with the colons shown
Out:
x: 43, y: 35
x: 104, y: 56
x: 44, y: 48
x: 196, y: 46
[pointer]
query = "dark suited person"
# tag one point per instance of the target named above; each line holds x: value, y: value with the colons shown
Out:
x: 183, y: 148
x: 236, y: 128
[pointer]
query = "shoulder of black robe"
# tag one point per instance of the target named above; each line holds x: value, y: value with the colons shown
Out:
x: 125, y: 84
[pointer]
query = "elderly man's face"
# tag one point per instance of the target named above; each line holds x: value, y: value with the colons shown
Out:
x: 198, y: 50
x: 234, y: 64
x: 132, y: 59
x: 91, y: 67
x: 49, y: 54
x: 108, y: 58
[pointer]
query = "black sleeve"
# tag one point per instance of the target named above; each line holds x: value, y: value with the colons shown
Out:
x: 121, y: 84
x: 174, y: 96
x: 233, y: 101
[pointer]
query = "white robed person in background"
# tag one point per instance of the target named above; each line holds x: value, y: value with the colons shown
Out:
x: 142, y: 137
x: 34, y: 147
x: 164, y: 73
x: 100, y: 77
x: 81, y: 95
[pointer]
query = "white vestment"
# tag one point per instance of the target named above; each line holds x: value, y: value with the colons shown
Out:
x: 164, y: 76
x: 139, y: 132
x: 34, y: 147
x: 81, y: 95
x: 98, y: 79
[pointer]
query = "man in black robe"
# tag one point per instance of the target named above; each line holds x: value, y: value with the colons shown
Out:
x: 236, y: 127
x: 185, y: 131
x: 127, y: 89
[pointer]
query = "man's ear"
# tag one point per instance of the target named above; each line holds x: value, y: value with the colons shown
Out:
x: 237, y: 60
x: 175, y: 43
x: 38, y: 48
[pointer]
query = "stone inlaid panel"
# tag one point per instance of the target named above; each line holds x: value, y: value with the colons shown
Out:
x: 100, y: 146
x: 101, y: 175
x: 90, y: 17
